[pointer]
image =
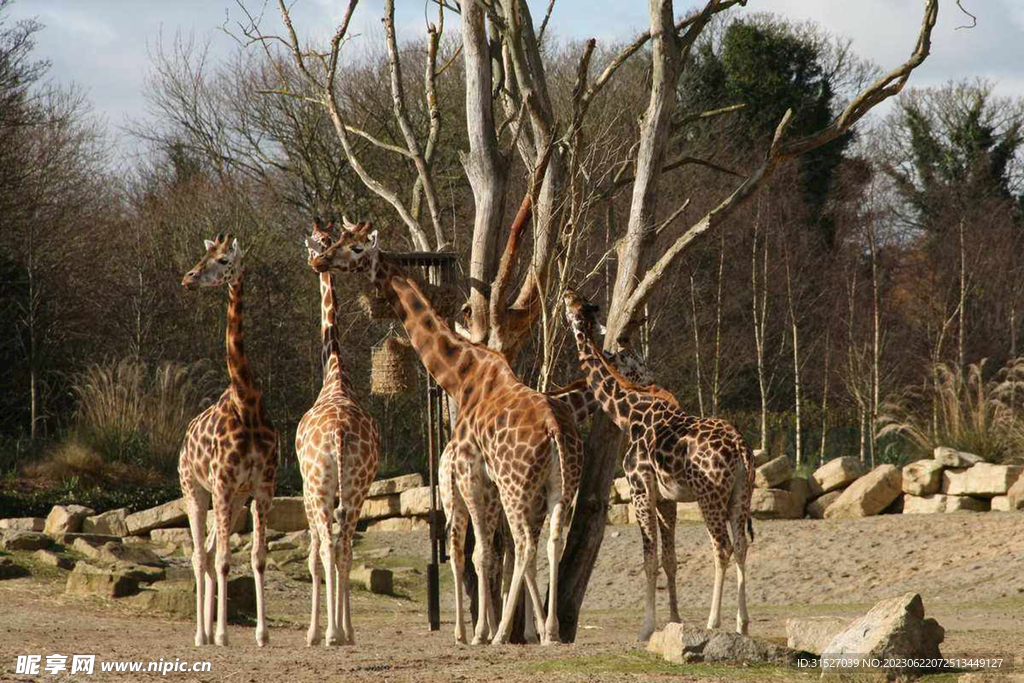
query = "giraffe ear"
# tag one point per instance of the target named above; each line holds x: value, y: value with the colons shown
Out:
x: 313, y: 245
x: 372, y: 240
x: 601, y: 329
x: 208, y: 243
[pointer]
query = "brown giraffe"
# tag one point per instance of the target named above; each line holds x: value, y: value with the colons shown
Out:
x: 230, y: 453
x: 582, y: 403
x: 669, y: 452
x: 506, y: 432
x: 337, y: 446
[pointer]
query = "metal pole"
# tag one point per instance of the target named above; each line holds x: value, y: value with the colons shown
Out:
x: 433, y: 579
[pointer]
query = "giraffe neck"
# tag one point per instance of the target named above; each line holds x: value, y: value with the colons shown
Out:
x: 603, y: 381
x: 450, y: 359
x: 243, y: 388
x: 335, y: 376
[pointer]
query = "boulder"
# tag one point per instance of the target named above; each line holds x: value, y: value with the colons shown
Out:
x: 178, y: 599
x: 287, y: 513
x: 94, y: 539
x: 24, y: 540
x: 384, y: 487
x: 986, y: 480
x: 111, y: 522
x: 816, y: 508
x: 868, y: 495
x: 1000, y: 504
x: 838, y: 473
x: 379, y: 581
x: 23, y: 524
x: 800, y: 489
x: 618, y: 513
x: 293, y: 562
x: 966, y: 504
x: 140, y: 572
x: 813, y: 634
x: 240, y: 523
x: 939, y: 502
x: 1016, y: 494
x: 399, y: 524
x: 681, y: 644
x: 774, y: 504
x: 773, y: 473
x: 168, y: 536
x: 895, y: 628
x: 66, y: 518
x: 116, y: 553
x: 761, y: 456
x: 89, y: 580
x: 48, y: 557
x: 949, y: 457
x: 170, y: 514
x: 621, y: 488
x: 9, y: 569
x: 382, y: 507
x: 922, y: 478
x: 415, y: 501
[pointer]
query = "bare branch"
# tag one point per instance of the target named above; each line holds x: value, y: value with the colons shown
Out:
x: 974, y: 19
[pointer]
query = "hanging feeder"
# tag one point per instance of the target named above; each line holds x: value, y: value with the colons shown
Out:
x: 392, y: 367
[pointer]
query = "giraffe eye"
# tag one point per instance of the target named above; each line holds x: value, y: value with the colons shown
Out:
x: 223, y: 261
x: 355, y: 249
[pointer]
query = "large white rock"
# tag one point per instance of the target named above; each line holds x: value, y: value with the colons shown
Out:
x: 685, y: 644
x: 816, y: 508
x: 399, y: 524
x: 169, y: 536
x: 111, y: 522
x: 380, y: 581
x: 1000, y: 504
x: 379, y: 508
x: 838, y: 473
x: 23, y: 524
x: 940, y: 502
x: 986, y: 480
x: 89, y: 580
x: 867, y: 496
x: 950, y: 457
x: 384, y: 487
x: 800, y: 488
x: 774, y: 504
x: 773, y: 473
x: 922, y: 478
x: 415, y: 501
x: 1016, y: 495
x: 813, y: 634
x: 287, y: 513
x: 894, y: 629
x: 66, y: 518
x: 621, y: 488
x: 170, y: 514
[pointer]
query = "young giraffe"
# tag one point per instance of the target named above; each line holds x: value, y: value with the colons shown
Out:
x: 670, y: 450
x: 582, y: 403
x: 230, y: 453
x: 337, y: 446
x: 522, y: 439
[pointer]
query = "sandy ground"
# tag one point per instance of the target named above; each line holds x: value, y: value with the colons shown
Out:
x: 968, y: 568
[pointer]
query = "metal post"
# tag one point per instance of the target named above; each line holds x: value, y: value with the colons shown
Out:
x: 433, y: 579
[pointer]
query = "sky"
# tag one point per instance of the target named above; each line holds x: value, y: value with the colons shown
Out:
x: 103, y: 46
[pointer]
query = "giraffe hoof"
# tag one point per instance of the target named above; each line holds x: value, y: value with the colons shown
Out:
x: 311, y: 638
x: 262, y: 637
x: 201, y: 640
x: 221, y: 639
x: 479, y: 640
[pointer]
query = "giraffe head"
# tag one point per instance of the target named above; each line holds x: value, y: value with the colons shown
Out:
x: 322, y: 237
x: 581, y: 314
x: 354, y: 250
x: 222, y: 263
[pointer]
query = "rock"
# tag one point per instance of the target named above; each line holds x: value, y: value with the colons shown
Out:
x: 869, y: 495
x: 48, y: 557
x: 689, y: 512
x: 384, y: 487
x: 774, y: 504
x: 966, y: 504
x: 170, y: 514
x: 939, y: 502
x: 1016, y: 494
x: 9, y: 569
x: 399, y: 524
x: 374, y: 553
x: 241, y: 599
x: 773, y: 473
x: 94, y: 539
x: 89, y: 580
x: 800, y: 489
x: 381, y: 508
x: 23, y: 524
x: 816, y: 508
x: 922, y: 478
x: 299, y: 538
x: 140, y: 572
x: 948, y: 457
x: 894, y: 628
x: 684, y: 644
x: 116, y: 553
x: 288, y: 513
x: 621, y: 488
x: 241, y: 522
x: 177, y: 599
x: 895, y: 507
x: 838, y: 473
x: 813, y: 634
x: 24, y: 540
x: 293, y: 562
x: 66, y: 518
x: 165, y: 536
x: 618, y: 513
x: 415, y: 501
x: 761, y: 456
x: 1000, y: 504
x: 986, y: 480
x: 111, y: 522
x: 379, y: 581
x: 814, y: 488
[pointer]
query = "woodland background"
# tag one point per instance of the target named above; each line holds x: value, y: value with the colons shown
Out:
x: 867, y: 302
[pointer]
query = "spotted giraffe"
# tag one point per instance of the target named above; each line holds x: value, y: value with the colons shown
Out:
x: 337, y: 445
x: 671, y: 452
x: 229, y: 453
x: 506, y: 432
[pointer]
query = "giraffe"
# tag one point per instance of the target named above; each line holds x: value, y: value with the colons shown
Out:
x: 669, y: 452
x: 337, y: 445
x: 506, y: 432
x: 229, y: 453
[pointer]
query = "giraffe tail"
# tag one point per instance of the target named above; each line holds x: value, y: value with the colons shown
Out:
x: 555, y: 431
x: 748, y: 461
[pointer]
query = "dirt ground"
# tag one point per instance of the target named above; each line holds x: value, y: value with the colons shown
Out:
x: 968, y: 568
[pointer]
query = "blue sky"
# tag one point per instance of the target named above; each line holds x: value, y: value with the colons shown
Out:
x: 103, y: 45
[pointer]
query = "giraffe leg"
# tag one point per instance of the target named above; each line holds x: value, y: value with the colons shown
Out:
x: 347, y: 519
x: 556, y: 544
x: 313, y: 634
x: 738, y: 515
x: 222, y: 503
x: 645, y: 515
x: 458, y: 521
x: 328, y: 560
x: 722, y: 550
x: 667, y: 530
x: 197, y: 500
x: 471, y: 487
x: 526, y: 549
x: 260, y: 509
x: 210, y: 593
